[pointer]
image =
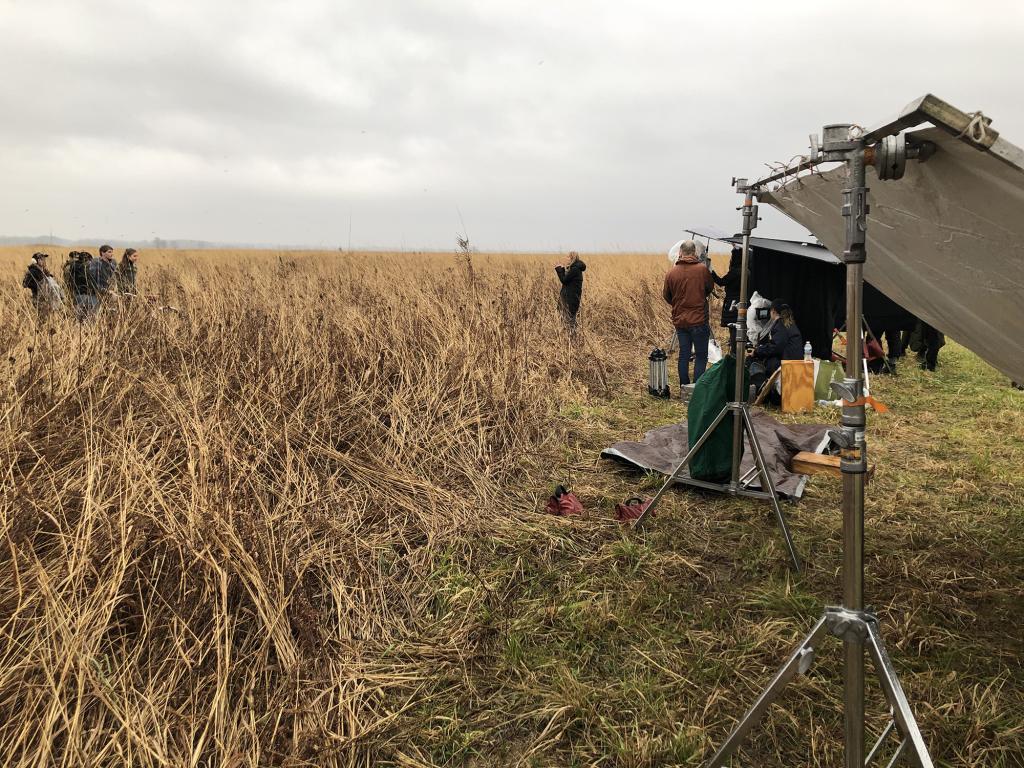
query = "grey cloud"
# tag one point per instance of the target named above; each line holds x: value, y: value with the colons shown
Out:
x: 589, y: 123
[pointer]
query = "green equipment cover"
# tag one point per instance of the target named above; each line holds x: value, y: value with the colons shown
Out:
x: 713, y: 391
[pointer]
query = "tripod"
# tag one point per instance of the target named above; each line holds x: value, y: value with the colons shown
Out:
x: 852, y: 627
x: 856, y: 626
x: 742, y: 424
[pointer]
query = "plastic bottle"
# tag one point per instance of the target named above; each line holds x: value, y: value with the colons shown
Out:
x: 807, y: 350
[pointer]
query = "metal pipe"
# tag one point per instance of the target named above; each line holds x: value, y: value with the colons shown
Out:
x: 880, y: 742
x: 685, y: 462
x: 739, y: 337
x: 854, y: 460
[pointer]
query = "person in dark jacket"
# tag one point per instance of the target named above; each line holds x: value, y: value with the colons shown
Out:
x: 569, y: 297
x: 731, y: 283
x: 126, y: 272
x: 781, y: 340
x: 687, y: 286
x: 76, y: 274
x: 35, y: 275
x: 102, y: 273
x: 47, y: 295
x: 100, y: 278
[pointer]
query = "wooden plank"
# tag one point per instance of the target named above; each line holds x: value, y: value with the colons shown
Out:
x: 766, y: 387
x: 797, y: 386
x: 807, y: 463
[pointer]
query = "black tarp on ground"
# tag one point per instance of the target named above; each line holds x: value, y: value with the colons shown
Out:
x: 809, y: 278
x: 663, y: 448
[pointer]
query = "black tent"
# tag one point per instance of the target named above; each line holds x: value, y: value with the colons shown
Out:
x: 809, y: 278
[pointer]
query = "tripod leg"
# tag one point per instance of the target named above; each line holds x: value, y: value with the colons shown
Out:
x: 905, y: 722
x: 769, y: 486
x: 879, y: 742
x: 799, y: 662
x: 896, y: 756
x: 686, y: 460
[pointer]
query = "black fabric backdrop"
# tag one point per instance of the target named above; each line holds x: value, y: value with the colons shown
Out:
x: 816, y: 290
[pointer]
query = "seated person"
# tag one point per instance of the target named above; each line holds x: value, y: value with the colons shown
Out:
x: 780, y: 340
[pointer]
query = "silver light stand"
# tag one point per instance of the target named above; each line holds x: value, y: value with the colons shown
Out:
x: 741, y: 421
x: 855, y: 625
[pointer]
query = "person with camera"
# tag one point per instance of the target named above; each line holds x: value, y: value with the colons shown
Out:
x: 781, y: 340
x: 571, y: 293
x: 687, y: 287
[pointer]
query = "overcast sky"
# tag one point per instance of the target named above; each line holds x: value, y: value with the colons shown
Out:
x: 547, y: 124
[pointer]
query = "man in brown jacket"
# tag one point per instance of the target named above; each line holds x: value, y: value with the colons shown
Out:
x: 687, y: 286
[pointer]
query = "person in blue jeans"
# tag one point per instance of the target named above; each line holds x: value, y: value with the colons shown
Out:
x: 687, y: 287
x: 696, y: 337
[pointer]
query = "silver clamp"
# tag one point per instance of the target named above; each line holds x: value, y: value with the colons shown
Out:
x: 848, y: 625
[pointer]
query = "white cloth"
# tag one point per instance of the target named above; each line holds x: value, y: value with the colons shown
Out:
x: 702, y: 253
x: 714, y: 351
x: 51, y: 292
x: 756, y: 324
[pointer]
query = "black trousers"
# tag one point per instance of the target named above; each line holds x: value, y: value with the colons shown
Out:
x: 932, y: 342
x: 569, y: 314
x: 893, y: 343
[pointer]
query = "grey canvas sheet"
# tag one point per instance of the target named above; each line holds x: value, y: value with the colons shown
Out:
x: 663, y: 448
x: 946, y: 241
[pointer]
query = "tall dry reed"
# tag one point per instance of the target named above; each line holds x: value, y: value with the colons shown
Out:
x: 221, y: 525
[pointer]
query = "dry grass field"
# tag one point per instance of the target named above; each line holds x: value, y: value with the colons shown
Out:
x: 299, y: 522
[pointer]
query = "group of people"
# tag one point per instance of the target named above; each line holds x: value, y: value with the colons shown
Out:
x: 87, y: 280
x: 687, y: 288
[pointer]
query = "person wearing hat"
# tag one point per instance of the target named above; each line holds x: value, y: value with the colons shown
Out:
x: 35, y: 275
x: 46, y: 292
x: 781, y: 340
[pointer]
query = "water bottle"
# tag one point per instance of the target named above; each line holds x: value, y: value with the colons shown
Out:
x: 807, y: 350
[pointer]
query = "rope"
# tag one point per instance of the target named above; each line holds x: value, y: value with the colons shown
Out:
x: 976, y: 129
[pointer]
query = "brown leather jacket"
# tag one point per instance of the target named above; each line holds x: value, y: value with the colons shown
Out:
x: 687, y: 286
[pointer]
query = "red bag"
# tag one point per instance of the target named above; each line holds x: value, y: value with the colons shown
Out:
x: 631, y: 509
x: 873, y: 350
x: 563, y: 503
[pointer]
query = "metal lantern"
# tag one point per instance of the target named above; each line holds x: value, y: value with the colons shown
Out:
x: 657, y: 373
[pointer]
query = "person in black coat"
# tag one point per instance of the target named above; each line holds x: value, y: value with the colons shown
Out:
x: 36, y: 274
x: 571, y: 278
x: 731, y: 283
x: 781, y: 340
x: 47, y: 295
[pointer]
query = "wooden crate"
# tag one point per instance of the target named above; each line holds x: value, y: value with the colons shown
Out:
x: 797, y: 386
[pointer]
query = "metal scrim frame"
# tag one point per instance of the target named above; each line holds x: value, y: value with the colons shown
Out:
x: 738, y: 485
x: 888, y: 150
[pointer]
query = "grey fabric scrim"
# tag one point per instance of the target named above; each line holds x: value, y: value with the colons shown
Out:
x: 663, y: 448
x: 946, y: 241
